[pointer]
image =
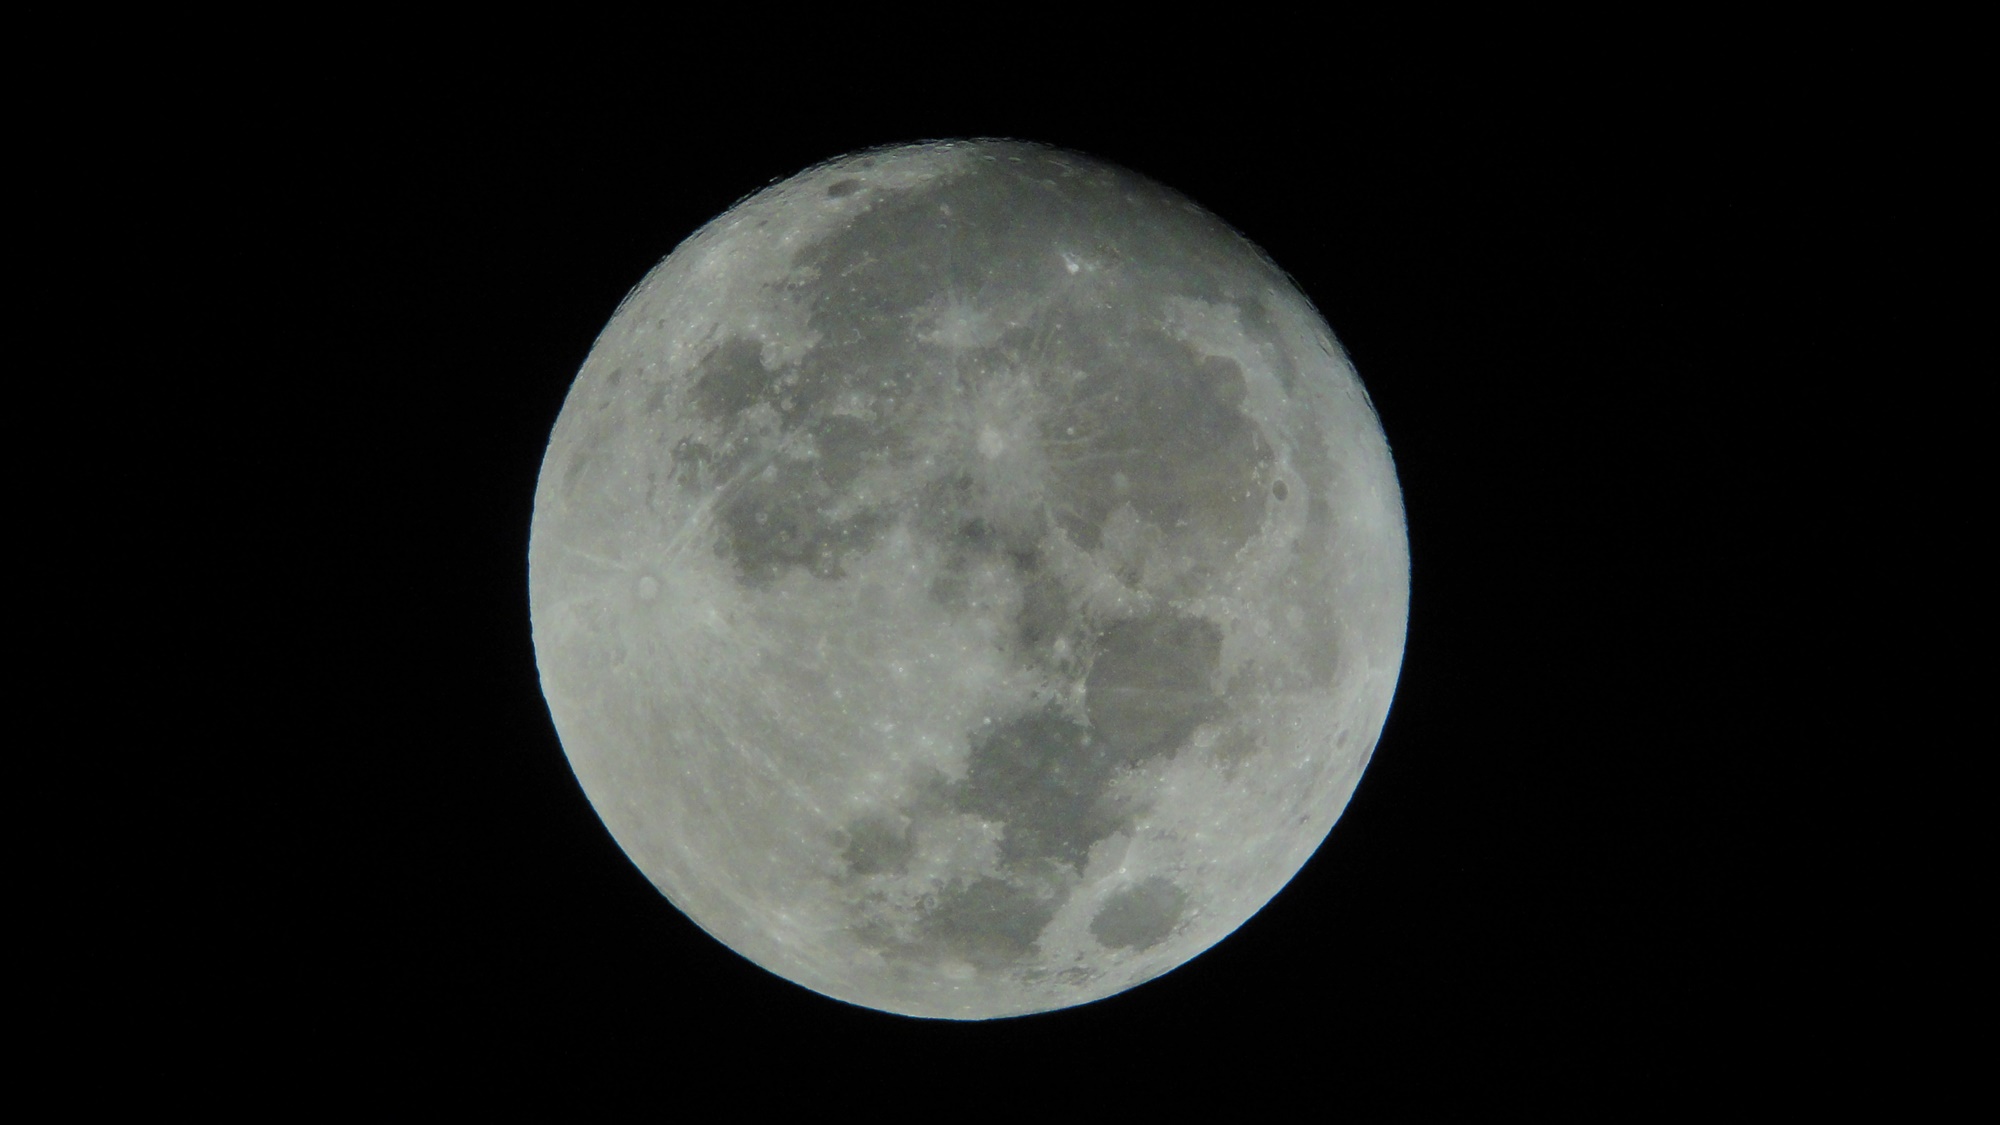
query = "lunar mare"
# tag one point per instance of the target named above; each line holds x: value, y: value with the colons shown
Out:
x: 968, y: 579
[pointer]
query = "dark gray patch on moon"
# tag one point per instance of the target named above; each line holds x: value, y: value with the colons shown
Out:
x: 1140, y: 916
x: 991, y: 923
x: 1041, y: 778
x: 1048, y: 629
x: 1133, y: 416
x: 845, y: 447
x: 1164, y: 432
x: 731, y: 380
x: 1048, y: 781
x: 777, y: 520
x: 948, y: 514
x: 1047, y: 778
x: 875, y: 846
x: 1152, y: 684
x: 1261, y: 326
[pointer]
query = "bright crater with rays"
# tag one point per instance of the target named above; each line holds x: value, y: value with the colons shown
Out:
x: 968, y: 579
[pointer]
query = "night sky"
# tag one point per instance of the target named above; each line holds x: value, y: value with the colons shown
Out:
x: 1589, y: 302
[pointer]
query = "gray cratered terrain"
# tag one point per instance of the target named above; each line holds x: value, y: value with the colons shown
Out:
x: 968, y: 579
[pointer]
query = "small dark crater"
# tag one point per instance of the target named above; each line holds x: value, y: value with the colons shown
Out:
x: 874, y: 846
x: 1140, y: 916
x: 617, y: 376
x: 1278, y: 489
x: 843, y: 189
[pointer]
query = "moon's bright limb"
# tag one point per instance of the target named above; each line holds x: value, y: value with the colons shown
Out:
x: 968, y: 579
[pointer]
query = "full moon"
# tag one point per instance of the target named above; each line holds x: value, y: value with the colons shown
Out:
x: 968, y: 579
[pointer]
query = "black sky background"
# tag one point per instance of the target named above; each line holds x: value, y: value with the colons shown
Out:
x: 1587, y: 302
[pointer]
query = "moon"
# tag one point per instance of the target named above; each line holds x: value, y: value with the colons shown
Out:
x: 968, y: 579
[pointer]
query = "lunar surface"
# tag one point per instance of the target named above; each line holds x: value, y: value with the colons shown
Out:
x: 968, y: 579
